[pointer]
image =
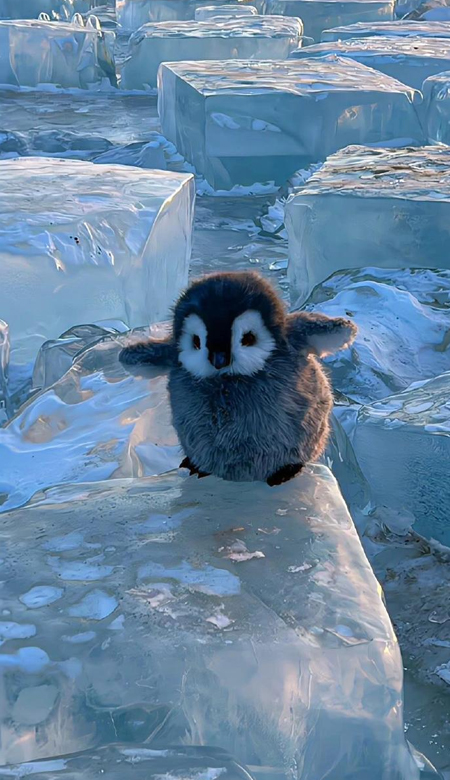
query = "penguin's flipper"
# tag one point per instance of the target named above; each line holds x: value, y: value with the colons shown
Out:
x: 156, y: 352
x: 318, y: 333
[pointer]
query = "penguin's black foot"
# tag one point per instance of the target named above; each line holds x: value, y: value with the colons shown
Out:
x: 285, y: 474
x: 186, y: 464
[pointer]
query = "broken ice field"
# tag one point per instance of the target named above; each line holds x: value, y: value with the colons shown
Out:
x: 244, y: 38
x: 240, y: 122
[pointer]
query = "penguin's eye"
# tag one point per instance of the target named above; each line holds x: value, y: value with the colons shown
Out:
x: 196, y: 342
x: 248, y: 339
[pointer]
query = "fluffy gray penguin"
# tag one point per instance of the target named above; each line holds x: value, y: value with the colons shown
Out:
x: 249, y: 398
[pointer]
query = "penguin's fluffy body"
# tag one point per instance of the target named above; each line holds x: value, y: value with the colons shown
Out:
x: 249, y: 397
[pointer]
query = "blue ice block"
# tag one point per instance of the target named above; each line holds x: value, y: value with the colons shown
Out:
x: 30, y: 9
x: 405, y: 28
x: 247, y: 37
x: 410, y: 60
x: 388, y: 208
x: 319, y: 15
x: 436, y: 95
x: 243, y: 122
x: 132, y: 14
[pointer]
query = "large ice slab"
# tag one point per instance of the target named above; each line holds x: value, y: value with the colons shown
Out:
x: 210, y: 11
x: 202, y: 614
x: 243, y: 122
x: 410, y: 60
x: 245, y: 38
x: 403, y: 442
x: 132, y: 14
x: 30, y: 9
x: 405, y: 28
x: 81, y: 242
x: 381, y: 207
x: 36, y: 53
x: 436, y: 95
x: 319, y: 15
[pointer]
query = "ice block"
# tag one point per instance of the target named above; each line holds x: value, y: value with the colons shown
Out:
x: 240, y: 122
x: 388, y: 208
x: 319, y: 15
x: 81, y: 242
x: 405, y: 28
x: 132, y: 14
x: 30, y: 9
x: 243, y: 38
x: 436, y: 95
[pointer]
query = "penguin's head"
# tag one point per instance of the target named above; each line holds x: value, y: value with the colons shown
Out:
x: 228, y: 323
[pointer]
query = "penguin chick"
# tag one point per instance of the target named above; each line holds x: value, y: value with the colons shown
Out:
x: 249, y: 398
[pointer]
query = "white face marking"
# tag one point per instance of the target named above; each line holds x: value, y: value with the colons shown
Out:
x: 249, y: 329
x: 251, y: 345
x: 191, y: 358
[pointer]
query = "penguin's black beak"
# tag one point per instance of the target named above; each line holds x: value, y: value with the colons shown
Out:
x: 219, y: 359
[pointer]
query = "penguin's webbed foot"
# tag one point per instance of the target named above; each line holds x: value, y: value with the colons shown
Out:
x: 193, y: 470
x: 284, y: 474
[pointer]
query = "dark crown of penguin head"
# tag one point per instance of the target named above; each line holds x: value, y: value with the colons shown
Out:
x: 229, y: 323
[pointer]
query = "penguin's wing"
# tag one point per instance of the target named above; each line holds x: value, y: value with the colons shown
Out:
x: 154, y: 352
x: 318, y: 333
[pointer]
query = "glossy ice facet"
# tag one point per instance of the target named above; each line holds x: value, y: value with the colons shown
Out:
x: 132, y: 14
x: 380, y: 207
x: 405, y: 28
x: 436, y: 95
x: 245, y: 38
x: 319, y: 15
x: 410, y: 60
x: 201, y: 613
x: 243, y: 122
x: 210, y: 11
x: 35, y: 53
x: 403, y: 443
x: 81, y: 242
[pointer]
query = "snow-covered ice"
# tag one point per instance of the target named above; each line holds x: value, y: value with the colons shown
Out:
x: 205, y: 12
x: 319, y: 15
x: 381, y: 207
x: 30, y: 9
x: 34, y: 53
x: 243, y: 38
x: 132, y: 14
x: 436, y: 95
x: 408, y: 59
x: 403, y: 445
x: 243, y: 122
x: 405, y: 28
x: 81, y: 242
x: 204, y: 640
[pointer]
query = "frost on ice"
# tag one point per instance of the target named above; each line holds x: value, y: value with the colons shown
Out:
x: 245, y: 38
x: 216, y: 647
x: 370, y: 207
x: 82, y: 242
x: 36, y: 53
x: 243, y: 122
x: 319, y: 15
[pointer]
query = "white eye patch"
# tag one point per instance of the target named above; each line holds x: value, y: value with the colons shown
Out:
x: 193, y: 354
x: 251, y: 344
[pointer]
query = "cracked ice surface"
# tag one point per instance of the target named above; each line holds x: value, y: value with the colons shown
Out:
x: 279, y: 663
x: 319, y: 15
x: 240, y: 122
x: 36, y: 53
x: 244, y: 38
x: 384, y: 207
x: 81, y: 242
x: 406, y: 59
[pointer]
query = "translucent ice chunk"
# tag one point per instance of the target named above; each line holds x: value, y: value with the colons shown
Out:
x: 94, y: 242
x: 132, y: 14
x: 4, y: 366
x: 244, y: 122
x: 30, y: 9
x: 410, y: 60
x: 204, y: 645
x: 403, y: 442
x: 436, y: 94
x: 319, y: 15
x: 405, y: 28
x: 65, y: 54
x: 383, y: 207
x: 246, y: 38
x: 210, y: 11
